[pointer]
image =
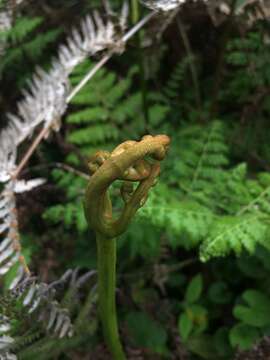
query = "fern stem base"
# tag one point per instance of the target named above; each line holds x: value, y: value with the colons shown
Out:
x: 106, y: 249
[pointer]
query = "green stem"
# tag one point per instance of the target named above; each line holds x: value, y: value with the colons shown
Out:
x: 135, y: 11
x: 106, y: 255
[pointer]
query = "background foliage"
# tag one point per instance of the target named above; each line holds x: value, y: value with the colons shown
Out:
x: 194, y: 265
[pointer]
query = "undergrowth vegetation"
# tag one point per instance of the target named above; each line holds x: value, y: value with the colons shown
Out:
x: 193, y: 267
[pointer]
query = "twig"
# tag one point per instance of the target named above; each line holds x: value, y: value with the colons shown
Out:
x: 88, y: 76
x: 193, y: 70
x: 221, y: 59
x: 58, y: 165
x: 138, y: 26
x: 171, y: 268
x: 30, y: 151
x: 72, y: 170
x: 135, y: 18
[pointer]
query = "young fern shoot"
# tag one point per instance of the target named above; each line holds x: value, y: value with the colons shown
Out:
x: 127, y: 163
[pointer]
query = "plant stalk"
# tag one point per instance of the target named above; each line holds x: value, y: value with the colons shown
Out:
x: 106, y: 257
x: 126, y: 163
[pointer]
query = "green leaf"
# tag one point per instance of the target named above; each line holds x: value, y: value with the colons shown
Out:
x: 257, y: 313
x: 203, y: 346
x: 23, y: 27
x: 187, y: 221
x: 88, y: 115
x: 157, y: 114
x: 194, y: 289
x: 243, y: 336
x: 248, y: 316
x: 146, y: 332
x: 257, y: 299
x: 199, y: 315
x: 221, y: 339
x: 234, y: 233
x: 185, y: 326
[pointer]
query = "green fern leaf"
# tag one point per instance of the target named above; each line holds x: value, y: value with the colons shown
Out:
x: 234, y: 233
x: 187, y: 221
x: 23, y: 27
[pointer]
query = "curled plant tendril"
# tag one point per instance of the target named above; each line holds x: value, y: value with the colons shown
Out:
x: 128, y: 163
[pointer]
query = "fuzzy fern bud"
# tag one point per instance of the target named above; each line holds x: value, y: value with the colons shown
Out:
x: 127, y: 162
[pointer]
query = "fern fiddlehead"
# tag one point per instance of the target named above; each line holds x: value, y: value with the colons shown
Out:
x: 127, y: 163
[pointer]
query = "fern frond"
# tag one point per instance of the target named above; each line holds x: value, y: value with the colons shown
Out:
x: 34, y: 48
x: 8, y: 355
x: 87, y: 115
x: 95, y: 135
x: 172, y: 89
x: 6, y: 17
x: 99, y: 120
x: 221, y: 208
x: 188, y: 221
x: 95, y: 116
x: 22, y: 27
x: 240, y: 195
x: 259, y: 196
x: 232, y: 193
x: 163, y: 5
x: 36, y: 301
x: 233, y: 233
x: 45, y: 100
x: 33, y: 303
x: 71, y: 212
x: 10, y: 247
x: 202, y: 155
